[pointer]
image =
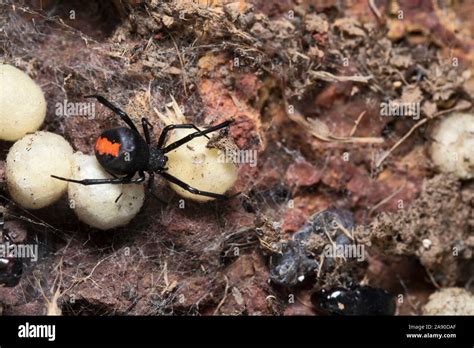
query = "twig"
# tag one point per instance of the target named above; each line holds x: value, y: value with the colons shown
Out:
x: 385, y: 200
x: 225, y: 295
x: 375, y: 11
x: 362, y: 114
x: 327, y: 76
x: 401, y: 140
x: 314, y: 127
x: 77, y: 282
x: 58, y: 20
x: 435, y: 283
x: 321, y: 262
x: 344, y: 230
x: 414, y: 306
x: 236, y: 102
x: 173, y: 113
x: 181, y: 61
x: 461, y: 106
x: 33, y: 217
x: 334, y: 245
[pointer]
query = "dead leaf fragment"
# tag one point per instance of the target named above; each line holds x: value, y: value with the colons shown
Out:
x: 167, y: 21
x: 316, y: 23
x: 411, y: 94
x: 349, y: 26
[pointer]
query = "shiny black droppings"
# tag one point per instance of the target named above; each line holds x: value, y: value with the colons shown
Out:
x: 359, y: 300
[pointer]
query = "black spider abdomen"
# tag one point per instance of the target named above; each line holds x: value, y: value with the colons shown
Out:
x: 122, y: 151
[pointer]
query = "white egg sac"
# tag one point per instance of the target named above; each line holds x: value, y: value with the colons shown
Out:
x: 97, y: 205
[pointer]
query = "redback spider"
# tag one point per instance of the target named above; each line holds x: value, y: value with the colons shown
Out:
x: 123, y: 153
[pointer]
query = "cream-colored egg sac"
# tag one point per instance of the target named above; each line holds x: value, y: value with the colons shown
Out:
x: 29, y: 166
x: 199, y: 166
x: 450, y: 301
x: 96, y: 205
x: 22, y: 104
x: 453, y: 144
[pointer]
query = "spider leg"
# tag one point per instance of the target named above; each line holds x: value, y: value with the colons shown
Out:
x: 150, y: 184
x: 115, y: 109
x: 191, y: 189
x: 191, y: 136
x: 146, y: 129
x: 117, y: 181
x: 170, y: 127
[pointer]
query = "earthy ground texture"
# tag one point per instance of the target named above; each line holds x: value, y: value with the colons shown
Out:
x: 304, y: 81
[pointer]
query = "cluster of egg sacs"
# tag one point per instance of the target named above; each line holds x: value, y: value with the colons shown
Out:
x: 37, y: 155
